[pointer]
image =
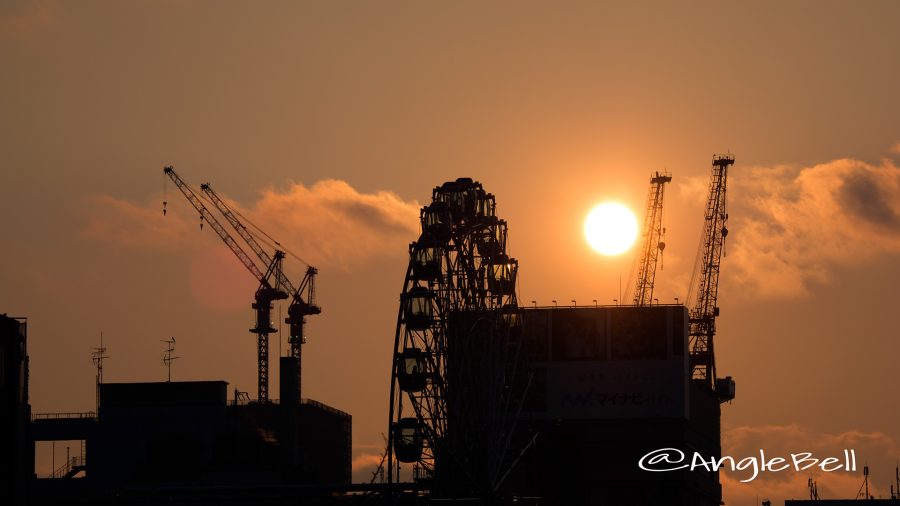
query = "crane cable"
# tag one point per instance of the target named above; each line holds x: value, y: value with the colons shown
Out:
x: 693, y: 284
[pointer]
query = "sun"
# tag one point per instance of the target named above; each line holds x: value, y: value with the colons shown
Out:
x: 610, y: 228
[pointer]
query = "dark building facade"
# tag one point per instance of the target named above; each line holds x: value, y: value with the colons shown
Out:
x: 165, y: 441
x: 842, y: 502
x: 16, y: 454
x: 592, y: 391
x: 188, y: 432
x: 187, y: 436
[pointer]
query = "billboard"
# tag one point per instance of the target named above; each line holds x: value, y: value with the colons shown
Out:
x: 607, y: 362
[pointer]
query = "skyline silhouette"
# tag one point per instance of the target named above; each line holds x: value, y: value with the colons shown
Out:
x: 328, y: 125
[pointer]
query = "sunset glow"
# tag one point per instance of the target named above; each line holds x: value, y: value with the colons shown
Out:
x: 610, y: 228
x: 530, y: 188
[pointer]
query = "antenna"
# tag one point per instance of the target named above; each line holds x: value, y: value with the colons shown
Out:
x: 167, y: 355
x: 865, y: 484
x: 97, y: 357
x: 813, y: 489
x: 897, y: 477
x: 866, y: 473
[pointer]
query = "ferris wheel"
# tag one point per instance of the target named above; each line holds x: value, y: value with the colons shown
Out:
x: 455, y: 346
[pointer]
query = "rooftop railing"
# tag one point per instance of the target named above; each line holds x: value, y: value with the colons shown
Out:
x: 55, y: 416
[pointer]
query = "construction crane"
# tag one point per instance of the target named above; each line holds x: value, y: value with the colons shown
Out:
x: 302, y: 298
x: 703, y: 314
x: 265, y: 294
x: 653, y: 240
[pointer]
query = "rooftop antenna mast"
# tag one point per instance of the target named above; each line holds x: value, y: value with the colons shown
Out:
x: 97, y: 357
x: 167, y: 356
x: 865, y: 485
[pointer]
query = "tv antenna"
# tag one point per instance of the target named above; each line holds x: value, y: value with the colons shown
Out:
x: 167, y: 355
x: 97, y: 357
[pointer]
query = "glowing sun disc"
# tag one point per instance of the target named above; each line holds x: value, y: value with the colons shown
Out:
x: 611, y: 228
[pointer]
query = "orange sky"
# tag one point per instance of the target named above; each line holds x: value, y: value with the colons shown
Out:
x: 329, y: 123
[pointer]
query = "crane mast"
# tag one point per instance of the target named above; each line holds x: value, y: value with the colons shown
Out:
x: 265, y: 294
x: 303, y: 305
x: 653, y: 245
x: 703, y: 314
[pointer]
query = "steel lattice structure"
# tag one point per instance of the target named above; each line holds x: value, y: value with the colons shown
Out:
x: 653, y: 244
x: 703, y: 314
x: 459, y: 290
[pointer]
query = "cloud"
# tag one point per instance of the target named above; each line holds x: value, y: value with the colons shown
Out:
x: 875, y: 449
x: 896, y: 148
x: 20, y: 18
x: 364, y: 465
x: 328, y: 223
x: 693, y: 189
x: 796, y: 487
x: 366, y: 461
x: 125, y: 224
x: 331, y: 222
x: 792, y: 226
